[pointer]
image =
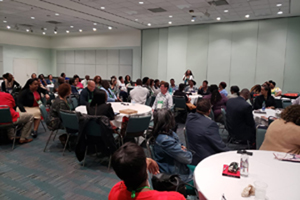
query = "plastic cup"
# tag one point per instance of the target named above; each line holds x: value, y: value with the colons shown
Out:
x: 133, y: 103
x: 260, y: 190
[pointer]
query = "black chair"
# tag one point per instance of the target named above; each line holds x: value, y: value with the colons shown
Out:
x: 278, y: 103
x: 180, y: 108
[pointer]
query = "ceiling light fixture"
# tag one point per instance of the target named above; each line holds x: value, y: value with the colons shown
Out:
x: 8, y: 27
x: 27, y: 30
x: 109, y: 27
x: 226, y: 11
x: 80, y: 30
x: 102, y: 8
x: 136, y: 19
x: 141, y: 2
x: 247, y: 16
x: 149, y: 24
x: 44, y: 33
x: 32, y: 17
x: 279, y: 4
x: 4, y: 21
x: 170, y: 16
x: 193, y: 19
x: 94, y: 29
x: 55, y: 32
x: 57, y: 14
x: 67, y: 31
x: 170, y: 22
x: 95, y: 24
x: 218, y: 18
x: 279, y: 12
x: 71, y: 26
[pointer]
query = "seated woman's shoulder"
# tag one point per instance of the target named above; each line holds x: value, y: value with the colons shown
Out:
x: 168, y: 196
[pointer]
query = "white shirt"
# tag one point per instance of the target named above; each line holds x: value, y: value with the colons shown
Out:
x: 163, y: 101
x: 155, y: 91
x: 84, y: 82
x: 139, y: 94
x: 123, y: 87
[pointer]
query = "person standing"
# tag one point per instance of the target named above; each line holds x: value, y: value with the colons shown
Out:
x: 188, y: 75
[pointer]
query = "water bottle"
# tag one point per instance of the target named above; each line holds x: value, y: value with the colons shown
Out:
x: 244, y: 165
x: 263, y: 106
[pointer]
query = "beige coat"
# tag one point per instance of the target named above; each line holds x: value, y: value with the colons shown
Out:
x: 282, y: 137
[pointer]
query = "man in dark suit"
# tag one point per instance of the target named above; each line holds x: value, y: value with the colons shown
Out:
x: 239, y: 118
x: 203, y: 133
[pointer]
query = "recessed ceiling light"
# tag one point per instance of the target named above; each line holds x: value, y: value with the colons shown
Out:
x: 280, y: 12
x: 279, y: 4
x: 32, y: 17
x: 141, y: 2
x: 27, y: 30
x: 80, y: 30
x: 192, y: 20
x: 55, y: 32
x: 218, y: 18
x: 44, y: 33
x: 170, y: 22
x: 149, y: 24
x: 102, y: 8
x: 226, y: 11
x: 67, y: 31
x: 71, y: 26
x: 109, y: 27
x: 95, y: 24
x: 57, y: 14
x: 170, y: 16
x: 8, y: 27
x: 94, y: 29
x: 136, y: 19
x: 4, y: 21
x: 247, y: 16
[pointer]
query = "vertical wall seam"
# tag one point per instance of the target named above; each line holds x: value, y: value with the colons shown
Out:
x: 258, y: 26
x: 230, y: 62
x: 208, y: 46
x: 285, y: 56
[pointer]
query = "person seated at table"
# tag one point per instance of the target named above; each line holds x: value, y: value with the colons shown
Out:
x: 111, y: 97
x: 50, y: 80
x: 63, y: 75
x: 203, y: 89
x: 98, y: 81
x: 283, y: 134
x: 235, y: 92
x: 128, y: 81
x: 113, y: 86
x: 254, y: 92
x: 22, y: 119
x: 191, y: 88
x: 73, y: 83
x: 203, y: 133
x: 217, y: 101
x: 276, y: 91
x: 130, y: 165
x: 239, y: 118
x: 42, y: 80
x: 29, y: 100
x: 152, y: 86
x: 77, y: 79
x: 264, y: 97
x: 222, y: 87
x: 173, y: 87
x: 9, y: 83
x: 85, y: 81
x: 163, y: 99
x: 180, y: 93
x: 87, y: 93
x: 33, y: 76
x: 60, y: 81
x: 146, y: 84
x: 139, y: 94
x: 123, y: 89
x: 169, y: 153
x: 156, y: 87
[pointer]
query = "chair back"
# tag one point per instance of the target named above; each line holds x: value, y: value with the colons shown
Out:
x: 224, y: 117
x: 138, y: 125
x: 260, y: 135
x: 212, y: 115
x: 149, y: 145
x: 152, y: 100
x: 93, y: 129
x: 73, y: 103
x: 278, y: 103
x: 69, y: 120
x: 180, y: 103
x: 5, y: 115
x: 286, y: 103
x: 44, y: 113
x: 187, y: 144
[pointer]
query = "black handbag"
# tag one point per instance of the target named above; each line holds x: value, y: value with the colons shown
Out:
x: 166, y: 182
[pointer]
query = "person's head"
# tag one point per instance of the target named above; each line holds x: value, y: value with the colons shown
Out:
x: 156, y: 82
x: 222, y: 85
x: 146, y: 81
x: 129, y: 163
x: 181, y: 87
x: 100, y: 97
x: 256, y: 89
x: 33, y: 76
x: 245, y: 93
x: 32, y: 84
x: 105, y: 84
x: 188, y: 72
x: 61, y: 80
x: 266, y: 83
x: 76, y: 77
x: 87, y: 77
x: 164, y: 121
x: 291, y: 114
x: 121, y: 79
x: 64, y: 90
x: 205, y: 83
x: 164, y: 87
x: 97, y: 80
x: 138, y: 82
x: 50, y: 77
x: 5, y: 76
x: 215, y: 95
x: 91, y: 86
x: 63, y: 75
x: 272, y: 84
x: 192, y: 83
x: 151, y: 82
x: 203, y: 106
x: 172, y: 81
x: 73, y: 81
x: 127, y: 78
x: 9, y: 77
x: 41, y: 76
x: 265, y: 90
x: 235, y: 90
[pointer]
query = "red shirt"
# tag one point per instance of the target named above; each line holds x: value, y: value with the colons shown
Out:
x: 36, y: 98
x: 7, y: 99
x: 120, y: 192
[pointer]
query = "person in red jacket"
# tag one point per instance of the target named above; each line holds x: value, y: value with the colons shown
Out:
x: 130, y: 164
x: 20, y: 118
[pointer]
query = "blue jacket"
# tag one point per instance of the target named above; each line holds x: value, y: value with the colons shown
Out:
x: 203, y: 137
x: 49, y: 82
x: 110, y: 97
x: 170, y: 158
x: 74, y: 89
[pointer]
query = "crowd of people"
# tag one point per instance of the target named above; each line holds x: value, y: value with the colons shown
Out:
x: 171, y: 156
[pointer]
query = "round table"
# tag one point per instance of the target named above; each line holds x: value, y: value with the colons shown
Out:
x: 194, y: 98
x: 117, y: 106
x: 282, y: 177
x: 269, y: 113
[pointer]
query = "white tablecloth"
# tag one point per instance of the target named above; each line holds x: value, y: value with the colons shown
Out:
x: 117, y: 106
x: 194, y: 98
x: 282, y: 177
x: 269, y: 113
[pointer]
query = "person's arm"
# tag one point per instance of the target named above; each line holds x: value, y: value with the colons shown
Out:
x: 83, y: 98
x: 21, y: 97
x: 16, y: 83
x: 170, y: 101
x: 213, y: 137
x: 257, y: 103
x: 249, y: 116
x: 111, y: 114
x: 3, y: 87
x: 272, y: 103
x: 110, y: 99
x: 154, y: 104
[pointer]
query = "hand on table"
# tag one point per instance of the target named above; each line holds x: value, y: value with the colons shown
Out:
x: 183, y: 148
x: 152, y: 166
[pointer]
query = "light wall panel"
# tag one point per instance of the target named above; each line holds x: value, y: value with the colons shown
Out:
x: 90, y: 57
x: 70, y: 57
x: 101, y: 70
x: 162, y: 55
x: 79, y: 56
x: 113, y: 57
x: 79, y: 70
x: 124, y: 70
x: 125, y: 57
x: 112, y: 70
x: 70, y: 69
x: 90, y: 69
x: 101, y: 57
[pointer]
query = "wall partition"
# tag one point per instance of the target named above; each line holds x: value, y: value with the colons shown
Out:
x: 240, y: 53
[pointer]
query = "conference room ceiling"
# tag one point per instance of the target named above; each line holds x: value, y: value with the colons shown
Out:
x: 38, y: 16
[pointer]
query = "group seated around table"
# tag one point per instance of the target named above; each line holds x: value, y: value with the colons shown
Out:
x: 139, y: 94
x: 283, y: 134
x: 265, y: 98
x: 131, y: 165
x: 191, y: 88
x: 180, y: 93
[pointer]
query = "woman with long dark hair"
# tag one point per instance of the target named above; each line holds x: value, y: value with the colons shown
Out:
x: 265, y: 97
x: 9, y: 83
x: 217, y: 101
x: 188, y: 75
x: 98, y: 81
x: 128, y: 81
x: 29, y: 100
x: 171, y: 156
